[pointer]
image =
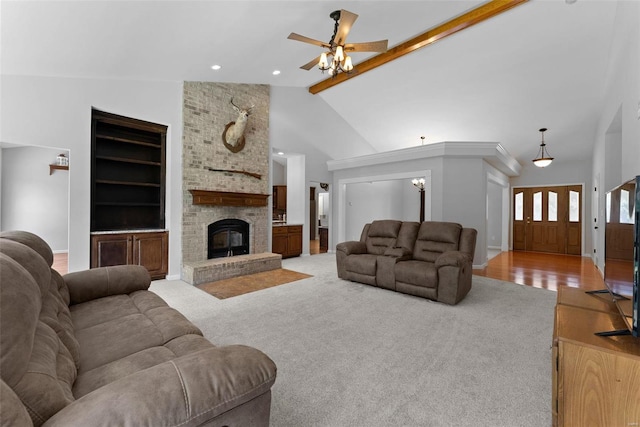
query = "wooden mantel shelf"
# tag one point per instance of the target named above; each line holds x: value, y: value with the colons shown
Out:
x: 226, y: 198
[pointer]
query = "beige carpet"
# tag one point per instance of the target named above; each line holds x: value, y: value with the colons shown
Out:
x: 235, y: 286
x: 355, y: 355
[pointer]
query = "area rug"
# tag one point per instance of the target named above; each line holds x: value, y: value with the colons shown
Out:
x: 235, y: 286
x: 355, y: 355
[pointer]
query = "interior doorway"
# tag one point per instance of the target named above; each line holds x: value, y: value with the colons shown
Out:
x: 548, y: 219
x: 318, y: 218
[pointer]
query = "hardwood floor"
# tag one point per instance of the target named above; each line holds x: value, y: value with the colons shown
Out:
x: 542, y: 270
x: 61, y: 263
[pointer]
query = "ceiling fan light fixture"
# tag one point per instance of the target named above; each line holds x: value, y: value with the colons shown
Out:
x: 348, y: 65
x: 543, y: 159
x: 323, y: 64
x: 334, y: 59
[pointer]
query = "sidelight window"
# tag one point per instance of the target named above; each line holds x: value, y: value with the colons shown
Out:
x: 553, y: 206
x: 537, y: 206
x: 574, y: 206
x: 518, y: 208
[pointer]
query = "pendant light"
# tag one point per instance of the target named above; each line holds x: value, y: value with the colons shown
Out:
x: 543, y: 159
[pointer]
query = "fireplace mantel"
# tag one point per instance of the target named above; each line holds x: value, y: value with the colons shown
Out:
x: 227, y: 198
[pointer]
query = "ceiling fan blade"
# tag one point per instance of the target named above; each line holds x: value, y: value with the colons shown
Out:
x: 309, y: 65
x: 298, y: 37
x: 346, y: 21
x: 378, y: 46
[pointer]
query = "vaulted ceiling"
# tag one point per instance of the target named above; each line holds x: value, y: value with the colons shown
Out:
x: 540, y: 64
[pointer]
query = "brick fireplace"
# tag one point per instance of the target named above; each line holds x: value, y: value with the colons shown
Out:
x: 212, y: 169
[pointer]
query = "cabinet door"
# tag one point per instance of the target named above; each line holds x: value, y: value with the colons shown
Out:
x: 110, y: 249
x: 279, y: 244
x: 280, y: 197
x: 294, y: 241
x: 324, y: 239
x: 150, y: 250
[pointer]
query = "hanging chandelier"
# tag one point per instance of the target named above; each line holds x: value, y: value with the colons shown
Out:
x: 543, y: 159
x: 335, y: 60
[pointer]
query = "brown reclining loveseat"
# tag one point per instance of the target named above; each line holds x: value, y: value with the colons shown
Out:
x: 96, y: 347
x: 432, y: 259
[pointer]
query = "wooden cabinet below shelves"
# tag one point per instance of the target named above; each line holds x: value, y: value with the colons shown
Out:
x: 287, y: 240
x: 148, y: 249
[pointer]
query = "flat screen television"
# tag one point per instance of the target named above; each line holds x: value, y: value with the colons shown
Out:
x: 622, y: 253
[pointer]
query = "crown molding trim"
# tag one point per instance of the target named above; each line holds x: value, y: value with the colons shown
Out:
x: 492, y: 152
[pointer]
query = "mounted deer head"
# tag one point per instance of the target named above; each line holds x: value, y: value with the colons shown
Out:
x: 233, y: 135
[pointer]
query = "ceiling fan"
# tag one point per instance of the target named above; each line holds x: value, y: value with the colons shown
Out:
x: 336, y: 58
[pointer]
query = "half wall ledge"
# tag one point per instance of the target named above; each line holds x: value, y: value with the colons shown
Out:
x: 212, y: 270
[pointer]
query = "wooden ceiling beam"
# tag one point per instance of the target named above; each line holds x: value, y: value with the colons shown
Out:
x: 466, y: 20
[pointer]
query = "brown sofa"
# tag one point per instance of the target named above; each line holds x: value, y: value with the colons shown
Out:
x: 97, y: 348
x: 431, y: 259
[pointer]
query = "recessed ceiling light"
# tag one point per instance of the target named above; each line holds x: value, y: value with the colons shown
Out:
x: 276, y: 72
x: 215, y: 67
x: 281, y: 153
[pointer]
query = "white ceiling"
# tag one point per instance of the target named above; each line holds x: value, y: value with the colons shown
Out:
x: 541, y: 64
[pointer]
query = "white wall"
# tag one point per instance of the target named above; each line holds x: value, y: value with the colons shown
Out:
x: 494, y: 215
x: 1, y: 188
x: 465, y: 199
x: 315, y: 132
x: 385, y: 199
x: 33, y: 200
x: 278, y: 174
x: 431, y: 168
x: 301, y: 130
x: 622, y: 96
x: 56, y: 112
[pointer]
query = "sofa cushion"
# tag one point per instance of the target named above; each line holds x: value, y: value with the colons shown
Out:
x: 419, y: 273
x: 149, y: 322
x: 407, y: 235
x: 435, y: 238
x: 100, y: 376
x: 382, y: 235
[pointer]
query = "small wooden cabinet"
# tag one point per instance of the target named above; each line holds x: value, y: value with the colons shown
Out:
x: 596, y: 380
x: 149, y: 249
x: 280, y: 197
x: 287, y: 240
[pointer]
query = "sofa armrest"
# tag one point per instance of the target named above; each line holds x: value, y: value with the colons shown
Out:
x: 101, y: 282
x: 352, y: 247
x: 454, y: 276
x: 452, y: 259
x: 186, y: 391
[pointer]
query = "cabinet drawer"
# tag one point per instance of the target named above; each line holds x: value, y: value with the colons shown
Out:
x: 280, y: 230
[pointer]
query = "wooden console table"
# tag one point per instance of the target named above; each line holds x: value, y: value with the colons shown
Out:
x: 596, y: 380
